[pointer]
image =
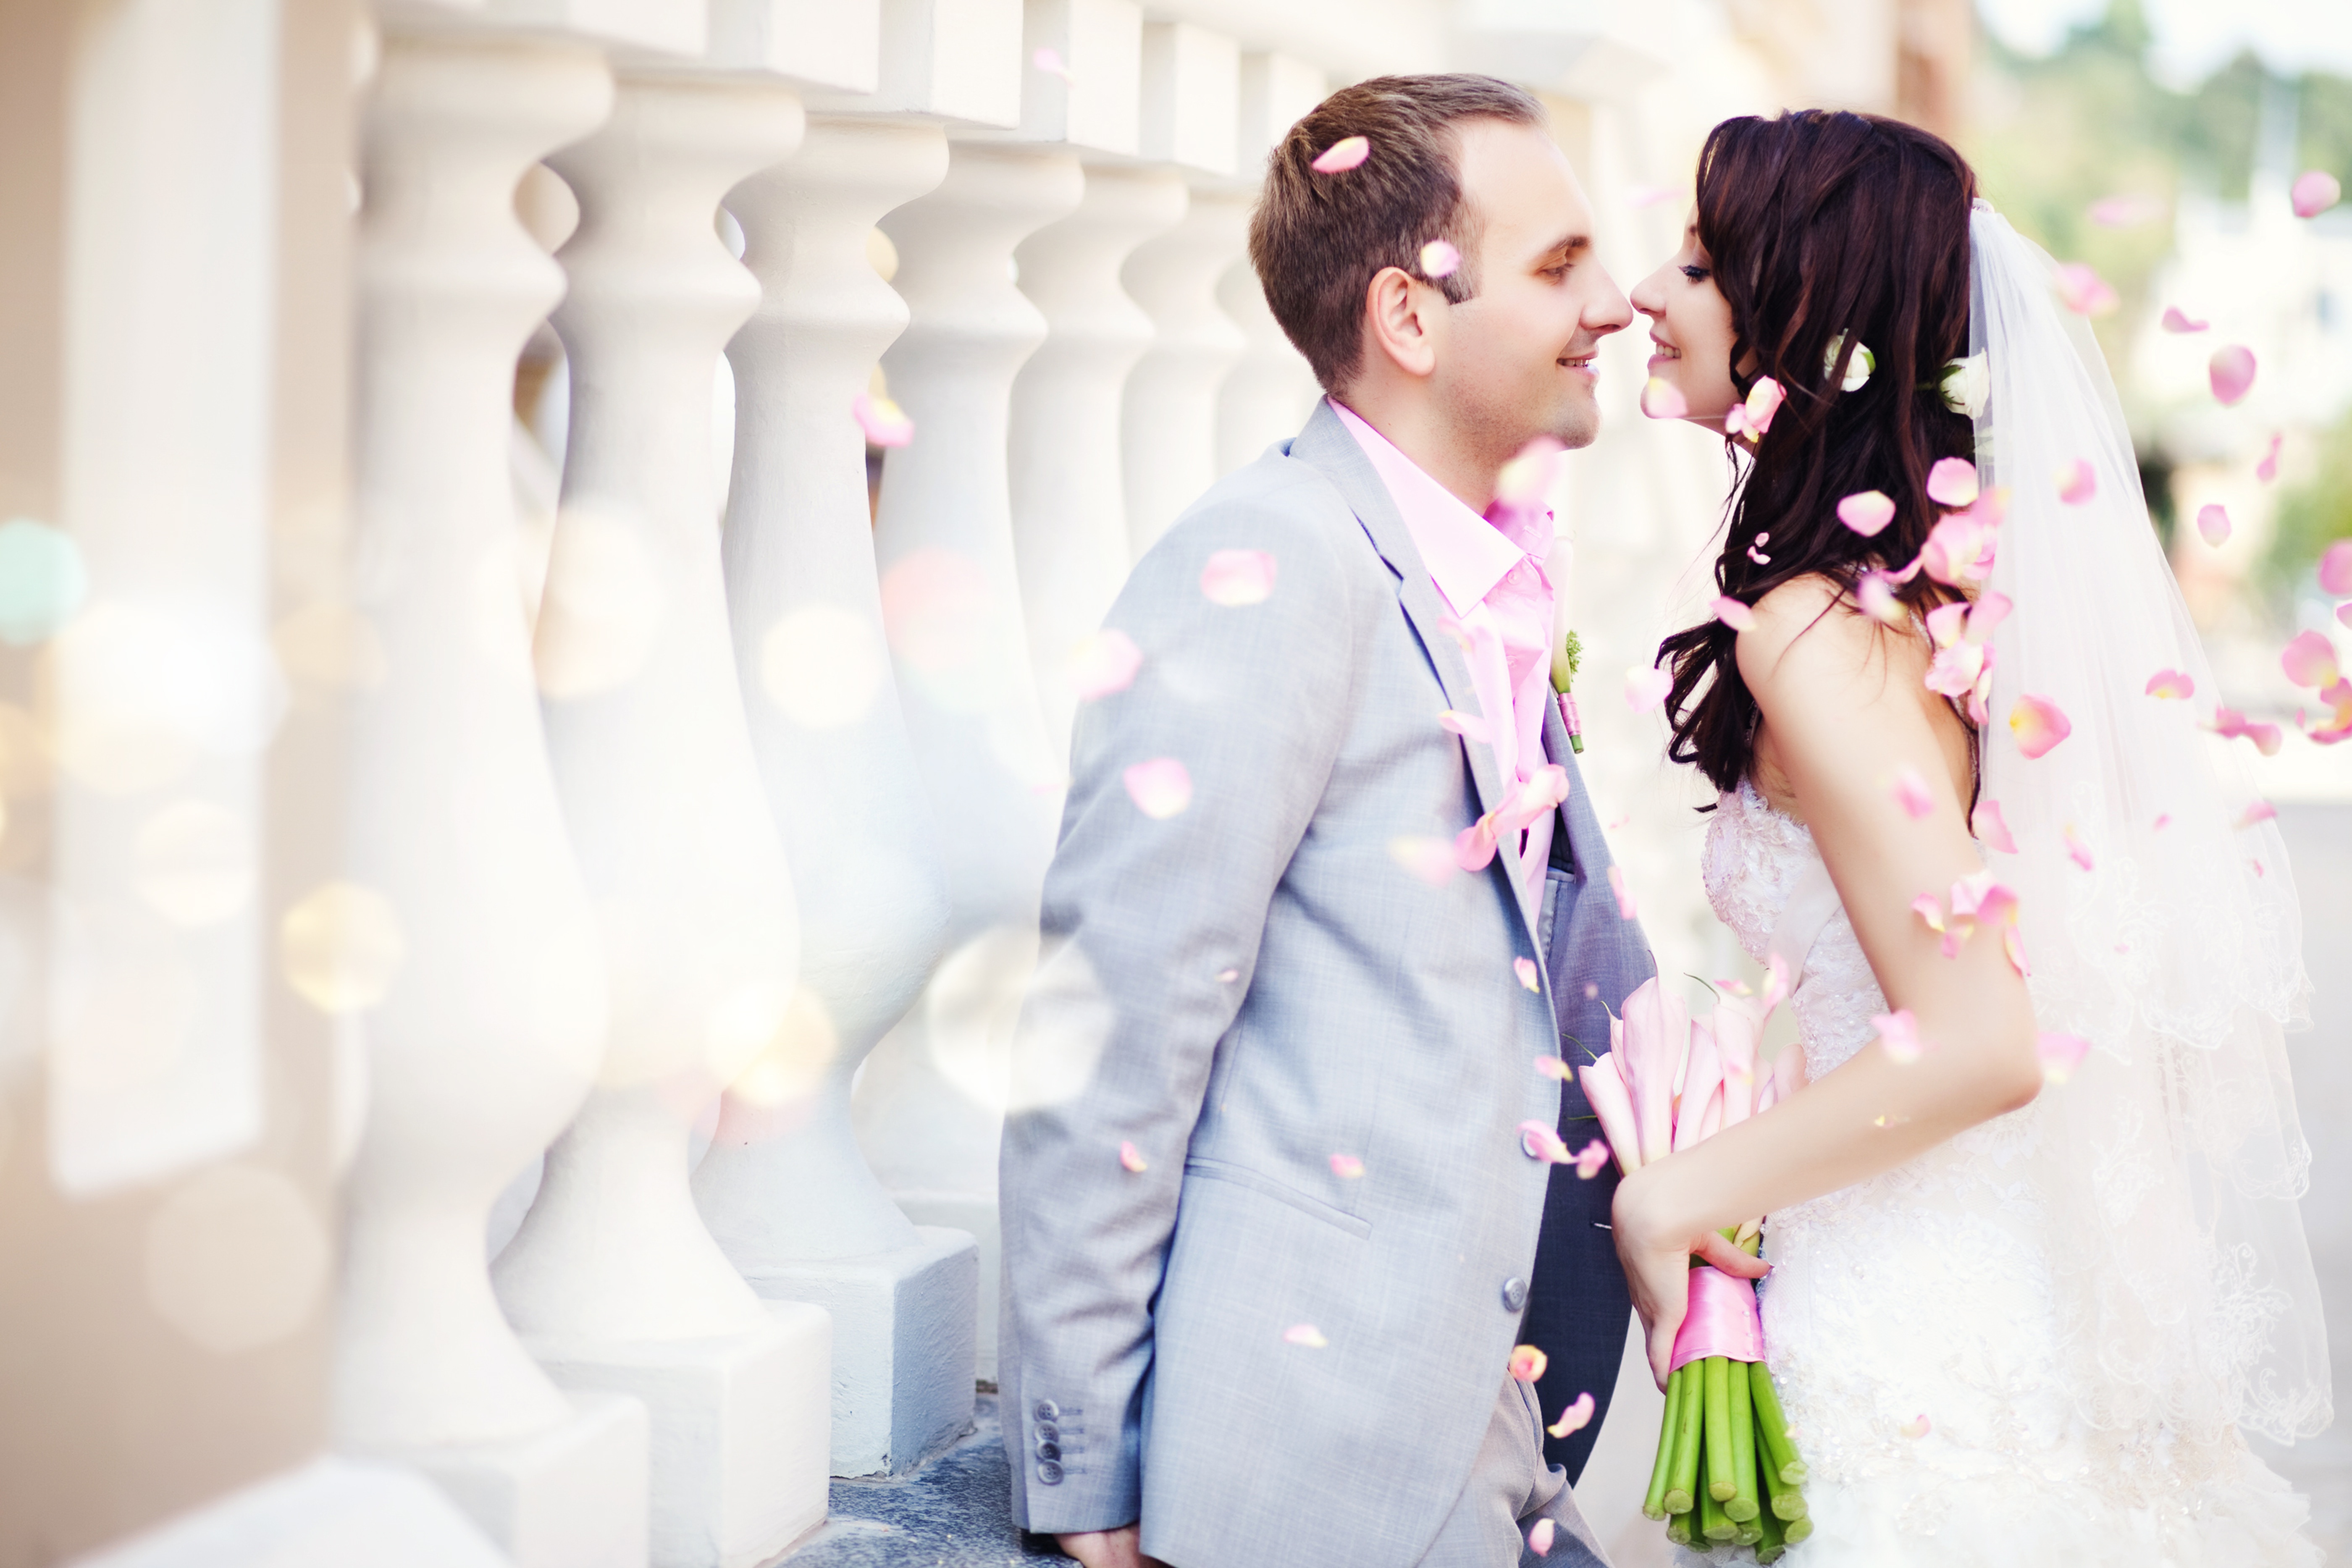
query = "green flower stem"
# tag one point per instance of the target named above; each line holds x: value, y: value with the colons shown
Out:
x: 1720, y: 1485
x: 1775, y: 1538
x: 1682, y: 1489
x: 1679, y: 1529
x: 1655, y: 1504
x: 1712, y: 1524
x: 1772, y: 1427
x: 1741, y: 1505
x: 1749, y: 1534
x: 1798, y: 1529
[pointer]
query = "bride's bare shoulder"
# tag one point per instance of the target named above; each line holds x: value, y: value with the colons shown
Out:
x: 1810, y: 628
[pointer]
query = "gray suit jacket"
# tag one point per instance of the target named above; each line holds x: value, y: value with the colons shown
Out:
x: 1245, y: 989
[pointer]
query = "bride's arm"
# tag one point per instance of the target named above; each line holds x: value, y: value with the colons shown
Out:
x: 1844, y: 708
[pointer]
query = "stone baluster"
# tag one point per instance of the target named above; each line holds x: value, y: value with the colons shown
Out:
x: 1191, y: 82
x: 1270, y: 390
x: 784, y: 1187
x: 1069, y: 526
x: 613, y: 1279
x: 488, y: 1037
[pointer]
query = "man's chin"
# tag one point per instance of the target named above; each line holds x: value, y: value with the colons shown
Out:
x: 1578, y: 423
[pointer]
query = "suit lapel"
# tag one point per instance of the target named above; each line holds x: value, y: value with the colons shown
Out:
x: 1585, y: 844
x: 1326, y: 444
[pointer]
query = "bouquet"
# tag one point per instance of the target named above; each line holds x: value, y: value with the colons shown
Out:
x: 1726, y: 1473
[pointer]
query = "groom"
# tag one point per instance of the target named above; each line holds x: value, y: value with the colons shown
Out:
x: 1271, y: 1233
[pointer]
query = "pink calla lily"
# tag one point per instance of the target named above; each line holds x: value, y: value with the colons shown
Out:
x: 1605, y: 1090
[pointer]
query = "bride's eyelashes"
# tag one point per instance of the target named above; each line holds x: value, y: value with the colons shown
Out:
x: 1695, y: 272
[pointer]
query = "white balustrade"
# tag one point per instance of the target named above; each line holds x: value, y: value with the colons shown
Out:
x: 1069, y: 499
x: 931, y: 1107
x: 1168, y: 420
x: 613, y: 1279
x: 784, y: 1187
x: 1270, y: 390
x: 487, y: 1037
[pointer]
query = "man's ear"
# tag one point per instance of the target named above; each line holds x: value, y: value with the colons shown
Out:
x: 1401, y: 321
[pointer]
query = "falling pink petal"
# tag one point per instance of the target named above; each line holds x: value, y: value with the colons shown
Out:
x: 2125, y: 212
x: 1161, y: 788
x: 2163, y: 821
x: 2231, y: 724
x: 1527, y: 1363
x: 2213, y: 522
x: 1650, y: 196
x: 1306, y: 1335
x: 1347, y: 1167
x: 1911, y: 792
x: 1625, y: 910
x: 1898, y: 1035
x: 1439, y: 259
x: 1866, y: 512
x: 1764, y: 400
x: 2061, y: 1055
x: 1875, y: 591
x: 883, y: 422
x: 1131, y: 1158
x: 2266, y: 470
x: 2082, y: 291
x: 2077, y: 483
x: 1918, y: 1426
x: 1103, y: 664
x: 2310, y: 661
x: 1428, y: 860
x: 1539, y: 1538
x: 1986, y: 823
x: 1930, y: 909
x: 1474, y: 846
x: 2259, y: 811
x: 1952, y: 482
x: 2335, y: 569
x: 1237, y: 577
x: 1575, y: 1419
x: 2076, y: 849
x: 1049, y: 60
x: 1591, y: 1158
x: 1527, y: 478
x: 1227, y: 977
x: 1733, y: 614
x: 2174, y: 321
x: 2344, y: 613
x: 2231, y: 371
x: 1663, y: 400
x: 1468, y: 725
x: 2172, y: 685
x: 1553, y: 1067
x: 1342, y: 155
x: 1647, y: 686
x: 1524, y: 968
x: 2038, y: 724
x: 2314, y: 193
x: 1538, y: 1142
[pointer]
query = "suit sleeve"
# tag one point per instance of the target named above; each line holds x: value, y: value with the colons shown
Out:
x: 1151, y: 924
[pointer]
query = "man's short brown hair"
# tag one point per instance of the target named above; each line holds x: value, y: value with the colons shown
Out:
x: 1317, y: 240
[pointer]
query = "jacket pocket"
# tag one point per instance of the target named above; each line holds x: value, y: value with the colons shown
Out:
x: 1280, y: 1192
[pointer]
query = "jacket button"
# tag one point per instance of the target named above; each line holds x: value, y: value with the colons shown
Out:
x: 1515, y: 1293
x: 1048, y: 1433
x: 1048, y: 1411
x: 1049, y: 1472
x: 1049, y: 1450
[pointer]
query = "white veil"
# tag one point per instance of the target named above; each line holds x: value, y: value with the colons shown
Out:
x: 2172, y: 1159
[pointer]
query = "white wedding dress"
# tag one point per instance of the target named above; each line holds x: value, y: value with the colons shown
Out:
x: 1932, y: 1375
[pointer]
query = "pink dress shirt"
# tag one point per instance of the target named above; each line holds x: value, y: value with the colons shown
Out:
x: 1491, y: 575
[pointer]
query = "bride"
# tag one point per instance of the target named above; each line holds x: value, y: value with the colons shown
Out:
x: 2037, y: 1267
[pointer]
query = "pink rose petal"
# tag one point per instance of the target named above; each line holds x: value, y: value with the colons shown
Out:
x: 2038, y: 724
x: 1952, y: 482
x: 1439, y: 259
x: 1527, y: 1363
x: 1049, y: 60
x: 1991, y: 830
x: 2125, y: 212
x: 1764, y: 400
x: 2077, y: 483
x: 1103, y: 664
x: 1575, y: 1419
x: 1875, y: 591
x: 2076, y: 849
x: 1161, y: 788
x: 2174, y: 321
x: 1733, y: 614
x: 1898, y: 1036
x: 1468, y: 725
x: 1911, y: 792
x: 2061, y: 1055
x: 2231, y: 371
x: 2259, y: 811
x: 1866, y: 512
x: 1342, y: 155
x: 2314, y: 193
x: 2231, y: 724
x: 1234, y: 578
x: 1647, y: 686
x: 1131, y: 1159
x: 2266, y: 470
x: 2172, y: 685
x: 2343, y: 615
x: 1930, y: 910
x: 883, y: 422
x: 1304, y: 1335
x: 1540, y: 1538
x: 1918, y: 1426
x: 1554, y: 1067
x: 2082, y: 291
x: 1538, y: 1142
x: 1663, y: 400
x: 1347, y: 1167
x: 1428, y: 860
x: 2310, y: 661
x: 2335, y: 569
x: 1524, y: 968
x: 1474, y: 846
x: 2213, y: 522
x: 1625, y: 910
x: 1591, y: 1158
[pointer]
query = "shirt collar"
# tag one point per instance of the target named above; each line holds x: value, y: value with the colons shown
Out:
x: 1465, y: 554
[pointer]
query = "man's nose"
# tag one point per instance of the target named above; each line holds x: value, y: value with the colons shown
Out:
x: 1607, y: 310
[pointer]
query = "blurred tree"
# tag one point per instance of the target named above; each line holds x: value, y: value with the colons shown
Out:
x: 2311, y: 517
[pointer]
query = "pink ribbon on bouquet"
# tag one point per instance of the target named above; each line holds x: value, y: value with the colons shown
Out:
x: 1722, y: 1319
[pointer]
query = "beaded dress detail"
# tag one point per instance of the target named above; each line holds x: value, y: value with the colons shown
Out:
x: 1932, y: 1382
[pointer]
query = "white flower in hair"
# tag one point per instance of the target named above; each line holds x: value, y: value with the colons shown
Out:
x: 1966, y: 383
x: 1857, y: 371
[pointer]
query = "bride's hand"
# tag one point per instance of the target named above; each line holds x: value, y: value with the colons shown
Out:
x: 1655, y: 1251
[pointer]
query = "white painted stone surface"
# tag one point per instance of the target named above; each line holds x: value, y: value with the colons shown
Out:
x: 575, y: 1496
x: 1270, y: 390
x: 1168, y: 420
x: 342, y: 1511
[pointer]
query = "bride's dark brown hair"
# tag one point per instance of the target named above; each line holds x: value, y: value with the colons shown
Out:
x: 1818, y: 224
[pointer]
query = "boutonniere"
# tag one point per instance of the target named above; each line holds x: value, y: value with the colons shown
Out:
x: 1564, y: 660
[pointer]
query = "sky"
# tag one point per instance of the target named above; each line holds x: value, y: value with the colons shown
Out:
x: 2195, y: 36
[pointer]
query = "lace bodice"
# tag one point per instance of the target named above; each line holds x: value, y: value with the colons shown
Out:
x: 1933, y: 1376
